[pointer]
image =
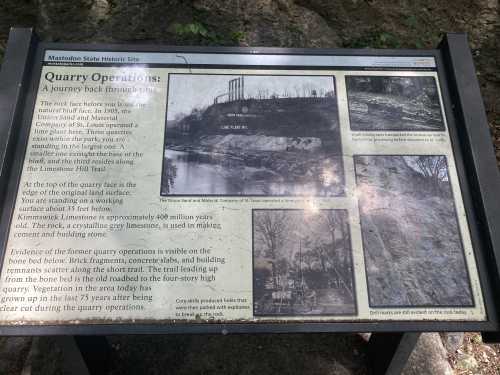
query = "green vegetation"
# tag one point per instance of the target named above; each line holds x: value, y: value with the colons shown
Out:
x: 197, y: 32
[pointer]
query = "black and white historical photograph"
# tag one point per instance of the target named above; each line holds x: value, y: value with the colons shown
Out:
x: 394, y: 103
x: 302, y: 263
x: 252, y: 135
x: 413, y: 249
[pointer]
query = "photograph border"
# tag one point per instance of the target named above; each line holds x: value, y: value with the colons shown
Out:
x: 466, y: 263
x: 340, y: 155
x: 305, y: 317
x: 438, y: 88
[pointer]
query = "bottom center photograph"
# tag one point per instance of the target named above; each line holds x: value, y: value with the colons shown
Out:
x: 302, y: 263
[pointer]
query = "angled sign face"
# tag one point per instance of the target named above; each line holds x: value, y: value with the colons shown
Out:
x: 228, y: 187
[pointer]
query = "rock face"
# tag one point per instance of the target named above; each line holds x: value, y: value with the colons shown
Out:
x: 261, y: 143
x: 452, y: 340
x: 413, y: 250
x: 429, y: 357
x: 393, y: 103
x: 289, y: 117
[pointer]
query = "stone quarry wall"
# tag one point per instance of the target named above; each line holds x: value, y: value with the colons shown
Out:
x: 279, y: 117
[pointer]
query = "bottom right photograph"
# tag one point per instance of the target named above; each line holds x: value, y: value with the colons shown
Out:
x: 414, y: 255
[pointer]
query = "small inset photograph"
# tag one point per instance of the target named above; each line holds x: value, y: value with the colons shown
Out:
x: 302, y: 263
x: 414, y: 256
x: 252, y: 135
x: 394, y: 103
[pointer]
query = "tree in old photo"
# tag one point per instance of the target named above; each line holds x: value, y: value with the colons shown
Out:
x: 435, y: 171
x: 302, y: 263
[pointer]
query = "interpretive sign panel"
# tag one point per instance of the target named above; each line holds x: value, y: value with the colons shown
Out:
x: 157, y: 189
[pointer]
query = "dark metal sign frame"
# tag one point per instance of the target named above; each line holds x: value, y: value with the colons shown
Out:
x: 468, y: 129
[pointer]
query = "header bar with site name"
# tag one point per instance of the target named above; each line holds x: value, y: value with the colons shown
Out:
x: 192, y: 59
